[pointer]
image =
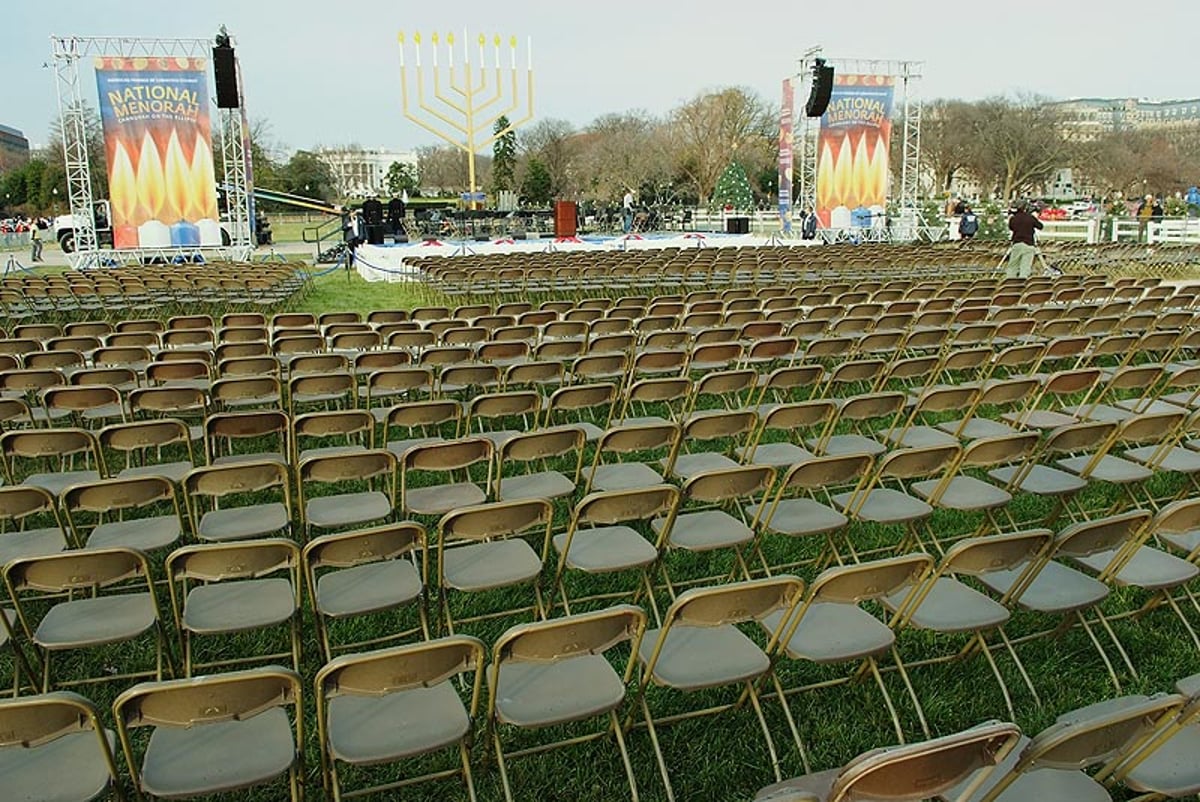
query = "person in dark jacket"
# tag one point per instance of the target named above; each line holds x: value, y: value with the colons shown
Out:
x: 1022, y: 224
x: 968, y: 224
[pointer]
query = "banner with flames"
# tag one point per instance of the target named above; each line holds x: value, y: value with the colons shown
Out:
x: 852, y: 150
x: 786, y: 114
x: 158, y: 146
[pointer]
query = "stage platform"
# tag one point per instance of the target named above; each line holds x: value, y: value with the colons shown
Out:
x: 395, y: 262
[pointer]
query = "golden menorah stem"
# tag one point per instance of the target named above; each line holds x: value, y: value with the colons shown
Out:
x: 460, y: 114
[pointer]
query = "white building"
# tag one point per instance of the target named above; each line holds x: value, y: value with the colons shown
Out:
x: 359, y: 172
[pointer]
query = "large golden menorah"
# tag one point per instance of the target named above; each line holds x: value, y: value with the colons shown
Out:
x: 470, y: 103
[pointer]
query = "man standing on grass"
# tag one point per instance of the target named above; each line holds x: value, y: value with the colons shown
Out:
x: 1022, y: 224
x: 35, y: 241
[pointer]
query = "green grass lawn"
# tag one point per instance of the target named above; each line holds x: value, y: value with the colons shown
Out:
x: 722, y: 757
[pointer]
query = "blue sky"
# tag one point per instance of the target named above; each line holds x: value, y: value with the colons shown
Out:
x: 329, y: 73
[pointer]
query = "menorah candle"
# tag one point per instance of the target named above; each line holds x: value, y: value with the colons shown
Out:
x: 210, y: 231
x: 154, y: 234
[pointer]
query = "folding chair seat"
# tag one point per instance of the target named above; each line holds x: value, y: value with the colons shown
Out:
x: 534, y: 450
x: 945, y: 604
x: 859, y: 417
x: 1046, y: 410
x: 727, y: 430
x: 555, y: 672
x: 367, y: 572
x: 886, y: 499
x: 649, y: 442
x: 1116, y: 387
x: 1107, y: 466
x: 797, y: 422
x: 372, y: 469
x: 700, y: 646
x: 1163, y: 767
x: 229, y: 501
x: 932, y: 404
x: 1089, y: 438
x: 31, y: 526
x: 140, y: 513
x: 213, y: 734
x: 521, y: 408
x: 66, y: 457
x: 802, y: 504
x: 1050, y: 587
x: 55, y: 747
x: 249, y: 436
x: 227, y: 588
x: 360, y: 697
x: 1050, y: 766
x: 84, y: 599
x: 602, y: 539
x: 831, y: 627
x: 995, y: 395
x: 449, y: 459
x: 350, y: 430
x: 712, y: 515
x: 921, y: 770
x: 487, y: 547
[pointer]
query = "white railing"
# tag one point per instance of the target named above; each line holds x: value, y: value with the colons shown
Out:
x: 1173, y: 230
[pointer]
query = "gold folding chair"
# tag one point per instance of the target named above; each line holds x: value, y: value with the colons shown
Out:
x: 366, y: 572
x: 53, y: 746
x: 361, y: 697
x: 227, y: 588
x: 214, y: 734
x: 555, y: 672
x: 701, y: 647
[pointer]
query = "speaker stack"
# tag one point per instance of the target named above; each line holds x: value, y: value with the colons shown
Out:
x: 225, y: 71
x: 822, y: 88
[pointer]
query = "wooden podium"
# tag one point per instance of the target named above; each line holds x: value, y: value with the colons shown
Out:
x: 564, y: 218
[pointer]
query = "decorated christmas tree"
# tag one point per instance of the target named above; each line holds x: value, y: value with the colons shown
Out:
x: 733, y: 189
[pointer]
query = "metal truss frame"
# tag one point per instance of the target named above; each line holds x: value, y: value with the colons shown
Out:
x: 807, y: 128
x: 68, y: 53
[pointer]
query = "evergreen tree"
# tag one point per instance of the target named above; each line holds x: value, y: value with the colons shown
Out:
x: 733, y: 189
x: 401, y: 177
x: 535, y: 188
x: 504, y: 157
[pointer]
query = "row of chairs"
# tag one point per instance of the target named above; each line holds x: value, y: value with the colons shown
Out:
x: 557, y: 671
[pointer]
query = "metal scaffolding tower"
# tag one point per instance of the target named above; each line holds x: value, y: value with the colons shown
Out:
x: 908, y: 74
x: 69, y: 53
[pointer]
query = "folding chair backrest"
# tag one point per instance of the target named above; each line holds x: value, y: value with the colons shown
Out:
x: 348, y: 549
x: 348, y: 467
x: 115, y: 495
x: 1083, y: 436
x: 88, y: 569
x: 908, y: 463
x: 498, y: 519
x: 570, y: 636
x: 719, y: 425
x: 982, y: 555
x: 542, y: 444
x: 726, y: 484
x: 851, y: 584
x: 401, y: 668
x: 448, y: 456
x: 628, y: 439
x: 830, y: 471
x: 924, y: 770
x: 999, y: 450
x: 238, y: 477
x: 735, y: 602
x: 616, y: 506
x: 1102, y: 534
x: 244, y: 559
x: 186, y: 703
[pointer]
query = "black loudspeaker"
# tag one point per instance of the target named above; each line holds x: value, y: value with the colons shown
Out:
x: 822, y: 87
x: 225, y: 71
x: 737, y: 225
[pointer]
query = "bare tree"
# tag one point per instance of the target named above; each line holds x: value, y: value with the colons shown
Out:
x: 619, y: 151
x: 443, y: 168
x: 717, y: 127
x: 1017, y: 144
x: 947, y: 133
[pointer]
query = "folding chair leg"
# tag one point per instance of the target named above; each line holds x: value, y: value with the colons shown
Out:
x: 1112, y: 674
x: 987, y: 653
x: 887, y: 698
x: 762, y: 721
x: 501, y: 765
x: 658, y: 755
x: 1020, y: 666
x: 1116, y: 642
x: 468, y: 779
x: 620, y: 736
x: 912, y: 694
x: 787, y: 712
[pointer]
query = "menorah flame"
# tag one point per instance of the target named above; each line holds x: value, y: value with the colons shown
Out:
x: 466, y: 100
